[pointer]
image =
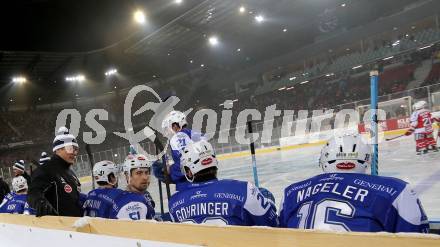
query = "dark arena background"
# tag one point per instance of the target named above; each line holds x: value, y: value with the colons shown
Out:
x: 314, y: 56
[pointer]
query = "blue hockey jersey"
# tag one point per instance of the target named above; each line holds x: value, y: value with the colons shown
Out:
x: 352, y: 202
x: 13, y: 203
x: 117, y: 204
x: 177, y: 143
x: 223, y: 202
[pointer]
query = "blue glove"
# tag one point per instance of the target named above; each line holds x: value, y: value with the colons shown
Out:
x: 267, y: 194
x: 158, y: 170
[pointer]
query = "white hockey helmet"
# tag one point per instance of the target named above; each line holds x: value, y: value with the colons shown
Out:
x: 136, y: 161
x: 173, y: 117
x: 19, y: 183
x: 198, y: 156
x: 345, y: 154
x: 103, y: 169
x: 419, y: 105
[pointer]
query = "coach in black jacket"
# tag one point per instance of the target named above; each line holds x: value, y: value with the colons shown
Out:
x: 55, y: 188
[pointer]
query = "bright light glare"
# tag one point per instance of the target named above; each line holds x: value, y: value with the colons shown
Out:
x: 139, y: 16
x: 259, y: 18
x: 178, y: 1
x: 111, y: 72
x: 77, y: 78
x: 19, y: 79
x: 242, y: 9
x: 213, y: 40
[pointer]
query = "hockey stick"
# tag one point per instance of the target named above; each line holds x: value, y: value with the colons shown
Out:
x: 162, y: 211
x: 159, y: 148
x: 159, y: 183
x: 392, y: 138
x: 254, y: 160
x: 89, y: 154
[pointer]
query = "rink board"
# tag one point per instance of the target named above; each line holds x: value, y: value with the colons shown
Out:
x: 201, y: 235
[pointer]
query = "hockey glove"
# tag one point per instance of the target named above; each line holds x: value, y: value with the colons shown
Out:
x: 158, y: 170
x: 409, y: 132
x: 267, y: 194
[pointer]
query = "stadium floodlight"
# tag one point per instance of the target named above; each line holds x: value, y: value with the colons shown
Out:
x: 19, y: 79
x: 111, y: 72
x: 304, y: 82
x: 388, y: 58
x: 213, y: 40
x: 290, y: 88
x: 425, y: 47
x: 76, y: 78
x: 292, y: 78
x: 281, y: 88
x: 242, y: 9
x: 357, y: 67
x: 259, y: 18
x: 80, y: 78
x: 139, y: 16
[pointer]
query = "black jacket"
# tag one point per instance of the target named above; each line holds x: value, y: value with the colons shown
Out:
x: 54, y: 189
x: 4, y: 189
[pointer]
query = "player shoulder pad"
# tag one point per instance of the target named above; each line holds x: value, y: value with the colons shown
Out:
x: 408, y: 206
x: 179, y: 140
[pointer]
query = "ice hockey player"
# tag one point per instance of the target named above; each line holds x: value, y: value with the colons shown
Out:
x: 137, y: 169
x: 421, y: 125
x: 132, y: 151
x: 107, y: 201
x: 345, y: 198
x: 175, y: 125
x: 14, y: 202
x: 219, y: 202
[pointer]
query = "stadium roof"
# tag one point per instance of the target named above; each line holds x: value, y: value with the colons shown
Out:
x: 46, y: 40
